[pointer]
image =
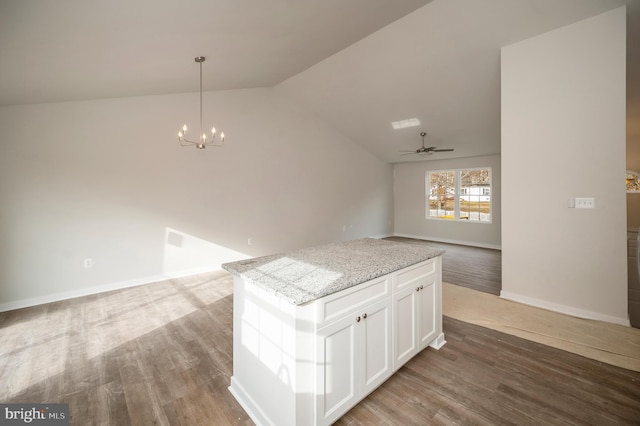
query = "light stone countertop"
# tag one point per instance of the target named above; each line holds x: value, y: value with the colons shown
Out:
x: 304, y: 275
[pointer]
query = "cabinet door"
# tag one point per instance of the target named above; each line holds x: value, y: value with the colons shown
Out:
x: 375, y: 331
x: 405, y: 325
x: 336, y: 385
x: 427, y: 321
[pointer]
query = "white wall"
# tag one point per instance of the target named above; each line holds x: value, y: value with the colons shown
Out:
x: 410, y: 204
x: 106, y: 180
x: 563, y: 136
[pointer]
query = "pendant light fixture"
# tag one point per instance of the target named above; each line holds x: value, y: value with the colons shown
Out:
x: 202, y: 140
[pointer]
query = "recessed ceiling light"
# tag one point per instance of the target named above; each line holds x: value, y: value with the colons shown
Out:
x: 403, y: 124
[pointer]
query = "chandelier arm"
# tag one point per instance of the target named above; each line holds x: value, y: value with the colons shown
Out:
x: 187, y: 142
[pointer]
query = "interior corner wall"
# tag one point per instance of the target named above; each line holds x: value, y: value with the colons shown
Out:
x: 105, y: 181
x: 563, y: 136
x: 409, y: 190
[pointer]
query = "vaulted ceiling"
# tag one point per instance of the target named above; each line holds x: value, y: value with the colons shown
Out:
x: 358, y: 64
x: 87, y: 49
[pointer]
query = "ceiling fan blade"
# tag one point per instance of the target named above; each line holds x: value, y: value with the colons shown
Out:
x: 424, y: 150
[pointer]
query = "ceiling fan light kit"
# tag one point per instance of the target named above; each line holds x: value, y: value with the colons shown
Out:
x: 425, y: 150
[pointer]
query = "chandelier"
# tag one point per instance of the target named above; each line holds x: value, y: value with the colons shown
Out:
x: 202, y: 141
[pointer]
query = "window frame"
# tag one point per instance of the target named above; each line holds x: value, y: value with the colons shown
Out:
x: 458, y: 193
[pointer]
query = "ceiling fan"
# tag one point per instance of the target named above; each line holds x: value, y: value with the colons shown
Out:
x: 424, y: 150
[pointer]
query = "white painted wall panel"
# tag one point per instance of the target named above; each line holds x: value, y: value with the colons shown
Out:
x: 563, y: 136
x: 106, y: 180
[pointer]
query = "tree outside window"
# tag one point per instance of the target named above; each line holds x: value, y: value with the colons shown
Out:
x: 442, y: 194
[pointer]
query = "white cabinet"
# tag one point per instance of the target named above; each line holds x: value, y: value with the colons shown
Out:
x: 417, y: 314
x: 354, y: 358
x: 309, y: 364
x: 376, y: 360
x: 336, y: 376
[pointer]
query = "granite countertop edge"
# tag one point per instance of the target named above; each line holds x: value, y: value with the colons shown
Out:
x: 304, y: 275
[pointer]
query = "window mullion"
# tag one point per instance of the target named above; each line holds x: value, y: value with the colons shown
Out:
x: 456, y: 203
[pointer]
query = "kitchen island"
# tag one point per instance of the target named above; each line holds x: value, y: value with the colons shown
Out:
x: 316, y: 330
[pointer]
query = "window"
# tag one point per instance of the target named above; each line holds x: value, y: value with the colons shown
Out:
x: 472, y: 202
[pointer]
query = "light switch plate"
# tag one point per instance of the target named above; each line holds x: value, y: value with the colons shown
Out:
x: 585, y: 203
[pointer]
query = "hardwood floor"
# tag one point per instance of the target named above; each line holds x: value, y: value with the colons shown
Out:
x: 155, y: 354
x: 162, y: 354
x: 484, y: 377
x: 476, y: 268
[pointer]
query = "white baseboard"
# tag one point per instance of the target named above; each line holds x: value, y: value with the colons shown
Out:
x: 56, y: 297
x: 563, y: 309
x: 379, y: 236
x: 449, y: 241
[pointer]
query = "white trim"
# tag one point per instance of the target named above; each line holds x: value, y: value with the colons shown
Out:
x: 563, y: 309
x: 438, y: 342
x: 247, y: 403
x: 449, y: 241
x: 56, y: 297
x: 379, y: 236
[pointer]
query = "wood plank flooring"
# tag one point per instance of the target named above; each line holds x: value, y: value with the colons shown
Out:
x: 162, y: 354
x: 476, y: 268
x: 484, y: 377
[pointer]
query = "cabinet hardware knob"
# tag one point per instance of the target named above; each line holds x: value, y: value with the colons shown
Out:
x: 357, y: 319
x: 417, y: 288
x: 421, y: 287
x: 364, y: 316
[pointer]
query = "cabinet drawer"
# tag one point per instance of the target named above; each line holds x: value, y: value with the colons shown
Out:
x: 336, y: 305
x: 414, y: 273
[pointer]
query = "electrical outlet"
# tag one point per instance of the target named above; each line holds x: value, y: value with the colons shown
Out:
x: 249, y: 241
x: 88, y: 263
